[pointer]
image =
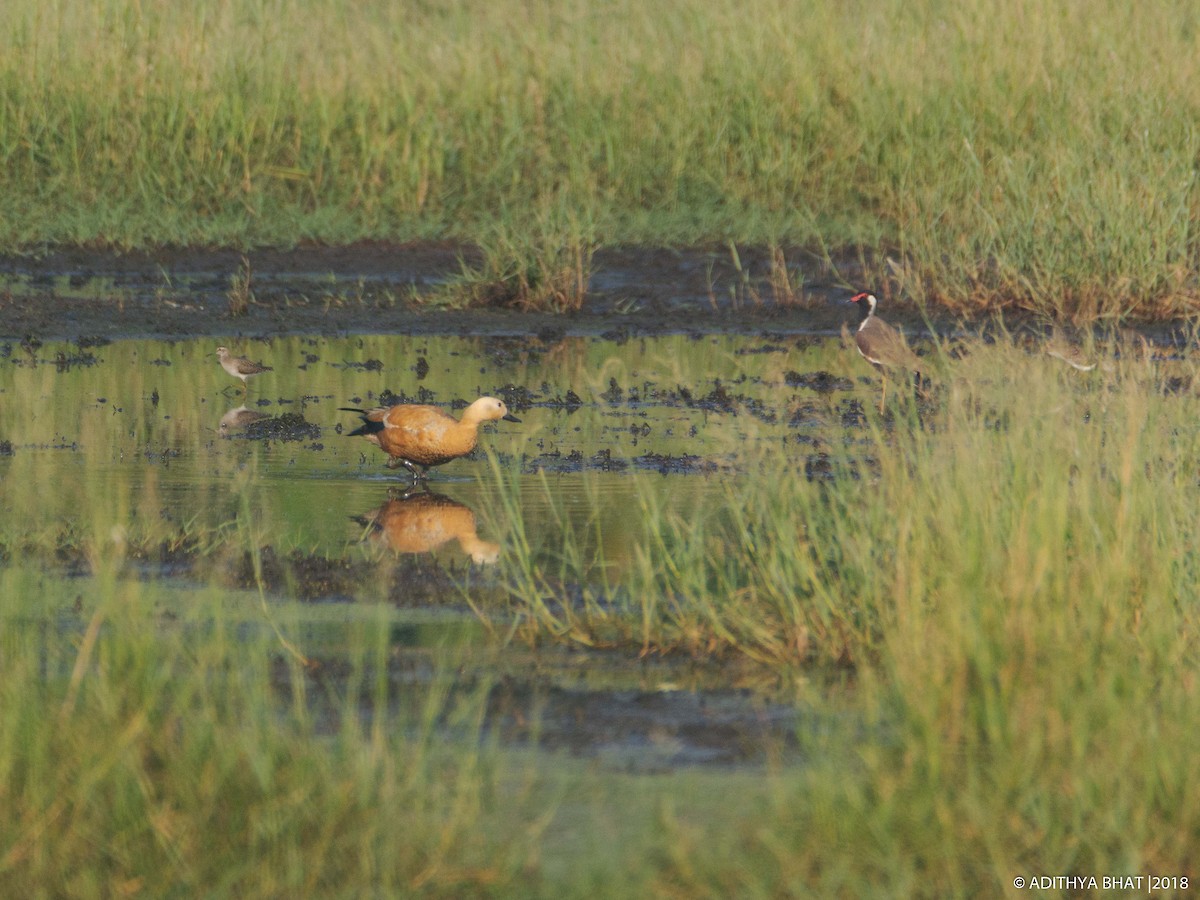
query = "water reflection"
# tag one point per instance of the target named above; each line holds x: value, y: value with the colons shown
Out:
x: 238, y: 418
x: 421, y: 521
x: 252, y: 425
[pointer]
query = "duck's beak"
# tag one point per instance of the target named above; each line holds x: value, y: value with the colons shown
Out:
x: 511, y: 418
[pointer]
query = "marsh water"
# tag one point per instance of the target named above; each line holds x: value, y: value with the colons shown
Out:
x: 160, y: 438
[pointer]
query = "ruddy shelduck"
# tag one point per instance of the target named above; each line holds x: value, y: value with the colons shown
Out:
x: 413, y: 435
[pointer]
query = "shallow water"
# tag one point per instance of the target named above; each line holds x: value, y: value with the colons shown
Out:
x: 138, y: 439
x: 138, y: 417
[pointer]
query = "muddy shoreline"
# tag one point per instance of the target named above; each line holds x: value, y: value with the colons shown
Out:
x: 95, y: 295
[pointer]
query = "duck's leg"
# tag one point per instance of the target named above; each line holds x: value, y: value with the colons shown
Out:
x: 397, y: 461
x: 883, y: 395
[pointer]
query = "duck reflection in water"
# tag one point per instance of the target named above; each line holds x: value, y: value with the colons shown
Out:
x: 420, y: 521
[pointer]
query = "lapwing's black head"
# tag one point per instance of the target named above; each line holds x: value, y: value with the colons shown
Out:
x: 865, y: 301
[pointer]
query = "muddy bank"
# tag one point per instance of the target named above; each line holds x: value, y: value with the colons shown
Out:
x: 90, y: 296
x: 628, y: 714
x: 95, y: 295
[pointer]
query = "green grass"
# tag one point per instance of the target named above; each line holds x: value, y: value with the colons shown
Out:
x: 166, y: 749
x: 1035, y: 156
x: 987, y: 621
x: 1011, y: 573
x: 546, y: 268
x: 1021, y: 479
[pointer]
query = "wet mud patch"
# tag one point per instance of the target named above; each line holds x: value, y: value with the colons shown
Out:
x: 90, y: 295
x: 633, y: 716
x: 407, y: 581
x: 301, y: 576
x: 560, y: 463
x: 61, y: 361
x: 820, y: 382
x: 822, y: 466
x: 718, y: 399
x: 287, y: 427
x: 641, y: 731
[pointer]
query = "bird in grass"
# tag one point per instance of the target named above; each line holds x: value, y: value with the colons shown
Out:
x: 239, y: 366
x: 413, y: 435
x: 1059, y: 346
x: 881, y: 344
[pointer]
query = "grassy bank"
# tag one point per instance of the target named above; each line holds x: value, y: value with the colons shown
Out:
x: 1038, y: 155
x: 1011, y: 572
x: 1019, y: 478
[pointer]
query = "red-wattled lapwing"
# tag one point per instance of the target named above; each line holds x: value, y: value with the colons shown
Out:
x: 239, y: 366
x: 425, y: 436
x: 881, y: 344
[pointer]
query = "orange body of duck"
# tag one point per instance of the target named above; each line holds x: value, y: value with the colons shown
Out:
x: 424, y: 436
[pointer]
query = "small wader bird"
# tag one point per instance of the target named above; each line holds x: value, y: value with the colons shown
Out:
x: 239, y: 366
